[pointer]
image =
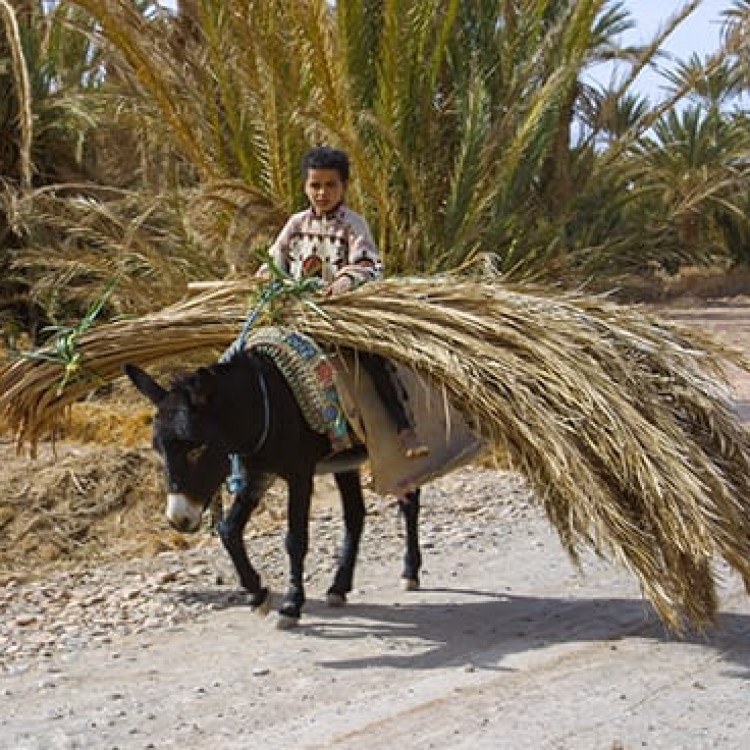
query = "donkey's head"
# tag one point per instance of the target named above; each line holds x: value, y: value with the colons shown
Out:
x: 185, y: 436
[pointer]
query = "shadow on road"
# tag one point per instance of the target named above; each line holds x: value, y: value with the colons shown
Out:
x: 448, y: 626
x: 504, y: 624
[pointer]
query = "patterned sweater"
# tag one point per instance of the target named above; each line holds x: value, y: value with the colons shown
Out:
x: 327, y: 247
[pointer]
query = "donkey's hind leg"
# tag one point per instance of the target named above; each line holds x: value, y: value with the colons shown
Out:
x: 231, y: 530
x: 350, y: 487
x: 409, y: 508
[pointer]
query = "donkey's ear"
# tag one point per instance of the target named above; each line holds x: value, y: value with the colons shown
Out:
x: 145, y: 383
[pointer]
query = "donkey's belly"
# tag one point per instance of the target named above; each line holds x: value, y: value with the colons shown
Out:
x: 347, y: 460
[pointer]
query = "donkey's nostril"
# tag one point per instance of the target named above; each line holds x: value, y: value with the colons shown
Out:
x: 181, y: 524
x: 181, y: 514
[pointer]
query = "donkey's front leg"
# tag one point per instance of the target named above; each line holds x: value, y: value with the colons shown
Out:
x: 231, y: 531
x: 350, y: 488
x: 297, y: 542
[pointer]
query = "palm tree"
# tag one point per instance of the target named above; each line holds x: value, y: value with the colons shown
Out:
x: 76, y: 221
x: 43, y: 129
x: 500, y: 118
x: 469, y: 124
x: 627, y: 229
x: 736, y: 33
x: 391, y: 82
x: 693, y: 169
x: 715, y: 82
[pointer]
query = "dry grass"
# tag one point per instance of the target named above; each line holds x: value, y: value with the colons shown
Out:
x: 84, y: 504
x: 622, y: 423
x: 96, y: 494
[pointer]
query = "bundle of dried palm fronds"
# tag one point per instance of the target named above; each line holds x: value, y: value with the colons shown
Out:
x: 622, y: 424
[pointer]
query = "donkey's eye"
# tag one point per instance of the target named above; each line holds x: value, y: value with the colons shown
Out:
x: 195, y: 453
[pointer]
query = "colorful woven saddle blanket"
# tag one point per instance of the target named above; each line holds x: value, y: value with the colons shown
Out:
x: 310, y: 375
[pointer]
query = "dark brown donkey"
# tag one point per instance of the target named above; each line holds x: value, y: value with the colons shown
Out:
x: 245, y: 407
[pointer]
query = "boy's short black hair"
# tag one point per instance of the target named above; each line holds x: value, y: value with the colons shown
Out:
x: 325, y: 157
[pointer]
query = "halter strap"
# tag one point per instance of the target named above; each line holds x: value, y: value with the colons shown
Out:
x: 266, y: 412
x: 236, y: 478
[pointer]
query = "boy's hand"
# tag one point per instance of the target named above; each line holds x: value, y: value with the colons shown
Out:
x: 340, y: 285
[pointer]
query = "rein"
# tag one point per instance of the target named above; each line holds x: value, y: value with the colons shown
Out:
x: 238, y: 344
x: 282, y: 284
x: 236, y: 478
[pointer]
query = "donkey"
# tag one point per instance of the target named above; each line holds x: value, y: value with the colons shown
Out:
x: 245, y: 407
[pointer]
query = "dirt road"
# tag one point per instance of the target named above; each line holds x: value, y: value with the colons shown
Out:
x: 506, y: 646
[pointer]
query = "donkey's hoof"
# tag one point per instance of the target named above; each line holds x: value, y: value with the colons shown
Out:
x: 334, y: 599
x: 262, y: 607
x: 286, y: 622
x: 409, y: 584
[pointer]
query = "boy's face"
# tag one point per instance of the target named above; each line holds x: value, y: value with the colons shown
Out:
x: 324, y: 189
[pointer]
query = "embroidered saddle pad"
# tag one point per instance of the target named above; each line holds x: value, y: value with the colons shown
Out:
x: 309, y: 373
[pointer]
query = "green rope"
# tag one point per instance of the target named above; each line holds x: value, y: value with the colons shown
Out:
x: 63, y: 347
x: 285, y: 286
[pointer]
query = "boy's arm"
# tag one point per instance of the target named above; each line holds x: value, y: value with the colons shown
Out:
x: 279, y: 250
x: 363, y: 261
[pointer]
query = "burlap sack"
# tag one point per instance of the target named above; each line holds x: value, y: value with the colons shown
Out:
x: 438, y: 424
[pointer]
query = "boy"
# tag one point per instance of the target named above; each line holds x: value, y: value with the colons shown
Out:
x: 331, y: 242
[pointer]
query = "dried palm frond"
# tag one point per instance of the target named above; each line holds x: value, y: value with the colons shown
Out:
x: 9, y: 21
x: 234, y: 216
x: 622, y: 424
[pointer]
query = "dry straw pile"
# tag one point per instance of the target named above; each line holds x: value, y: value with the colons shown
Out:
x: 622, y: 424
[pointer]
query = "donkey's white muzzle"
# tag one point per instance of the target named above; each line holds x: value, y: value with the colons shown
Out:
x: 183, y: 514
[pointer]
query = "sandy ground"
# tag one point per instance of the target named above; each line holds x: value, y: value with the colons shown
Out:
x: 506, y: 646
